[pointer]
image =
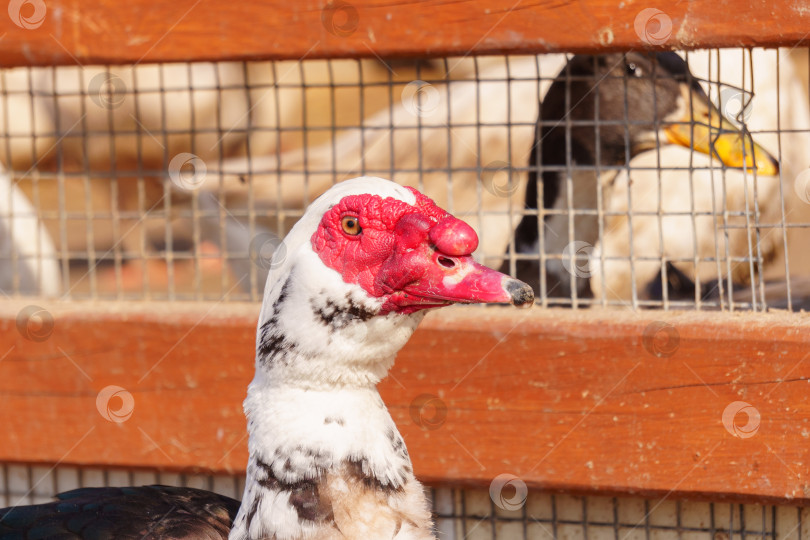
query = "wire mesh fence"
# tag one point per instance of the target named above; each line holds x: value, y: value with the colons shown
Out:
x: 475, y: 514
x: 177, y: 181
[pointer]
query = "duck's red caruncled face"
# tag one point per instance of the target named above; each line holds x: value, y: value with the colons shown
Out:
x: 412, y: 256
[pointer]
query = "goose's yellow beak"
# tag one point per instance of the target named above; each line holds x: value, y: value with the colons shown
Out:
x: 702, y: 127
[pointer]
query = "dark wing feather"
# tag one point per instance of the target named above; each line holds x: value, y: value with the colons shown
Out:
x: 145, y: 513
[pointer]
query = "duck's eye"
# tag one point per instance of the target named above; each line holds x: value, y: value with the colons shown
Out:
x: 351, y: 225
x: 634, y: 70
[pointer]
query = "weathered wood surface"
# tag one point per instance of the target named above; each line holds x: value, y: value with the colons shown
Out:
x: 564, y: 400
x: 39, y: 32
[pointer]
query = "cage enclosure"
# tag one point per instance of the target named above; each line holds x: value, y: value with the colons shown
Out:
x: 155, y: 155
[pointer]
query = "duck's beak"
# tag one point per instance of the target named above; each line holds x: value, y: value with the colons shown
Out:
x: 432, y: 266
x: 701, y: 126
x: 461, y: 280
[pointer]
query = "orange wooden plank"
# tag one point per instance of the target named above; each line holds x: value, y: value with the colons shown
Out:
x: 564, y: 400
x: 40, y: 32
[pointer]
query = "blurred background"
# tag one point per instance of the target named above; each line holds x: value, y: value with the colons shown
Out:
x: 176, y: 181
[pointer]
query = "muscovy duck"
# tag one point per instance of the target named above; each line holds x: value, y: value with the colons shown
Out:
x: 344, y: 293
x: 639, y: 101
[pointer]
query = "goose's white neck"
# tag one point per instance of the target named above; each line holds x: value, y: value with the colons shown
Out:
x: 326, y: 460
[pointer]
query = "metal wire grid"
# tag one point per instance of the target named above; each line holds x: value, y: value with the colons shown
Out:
x: 262, y: 130
x: 36, y: 484
x: 172, y: 237
x: 176, y: 181
x: 758, y: 219
x: 472, y: 514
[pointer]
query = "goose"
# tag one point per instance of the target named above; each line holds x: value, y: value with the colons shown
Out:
x: 721, y: 226
x: 351, y: 283
x: 641, y: 100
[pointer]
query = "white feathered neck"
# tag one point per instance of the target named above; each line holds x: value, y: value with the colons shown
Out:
x: 326, y: 460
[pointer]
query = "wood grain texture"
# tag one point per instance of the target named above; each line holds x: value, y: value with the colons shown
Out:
x: 112, y: 32
x: 563, y: 400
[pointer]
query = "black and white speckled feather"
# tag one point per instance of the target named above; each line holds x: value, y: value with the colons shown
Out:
x: 137, y: 513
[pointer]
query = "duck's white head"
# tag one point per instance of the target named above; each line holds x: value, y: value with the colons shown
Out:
x: 352, y: 279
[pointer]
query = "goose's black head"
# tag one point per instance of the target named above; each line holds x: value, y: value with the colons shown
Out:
x: 619, y: 105
x: 626, y: 96
x: 604, y: 110
x: 622, y: 94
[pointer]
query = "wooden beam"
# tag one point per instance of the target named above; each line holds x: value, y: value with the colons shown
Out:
x: 54, y: 32
x: 590, y: 401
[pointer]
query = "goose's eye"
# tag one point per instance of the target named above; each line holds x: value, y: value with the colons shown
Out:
x: 634, y: 70
x: 351, y: 225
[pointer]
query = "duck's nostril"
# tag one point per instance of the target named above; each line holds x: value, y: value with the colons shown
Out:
x: 447, y: 262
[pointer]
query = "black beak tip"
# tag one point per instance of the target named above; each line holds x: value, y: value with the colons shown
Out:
x: 522, y: 295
